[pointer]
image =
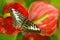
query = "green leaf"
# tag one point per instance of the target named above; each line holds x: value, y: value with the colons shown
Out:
x: 7, y: 37
x: 59, y: 17
x: 56, y: 3
x: 2, y: 2
x: 20, y: 36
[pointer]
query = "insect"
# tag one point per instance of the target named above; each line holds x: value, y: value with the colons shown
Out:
x: 8, y: 19
x: 19, y: 21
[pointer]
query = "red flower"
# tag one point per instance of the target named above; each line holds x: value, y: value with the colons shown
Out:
x: 8, y: 19
x: 31, y: 36
x: 16, y: 6
x: 2, y: 29
x: 44, y: 16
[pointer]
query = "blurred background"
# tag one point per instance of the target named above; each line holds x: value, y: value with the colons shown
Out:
x: 26, y: 4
